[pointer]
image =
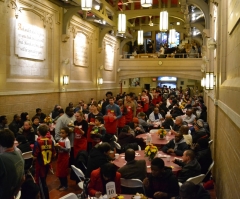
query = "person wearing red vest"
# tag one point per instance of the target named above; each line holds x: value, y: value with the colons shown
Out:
x: 80, y: 133
x: 145, y: 101
x: 113, y: 113
x: 122, y: 120
x: 131, y: 108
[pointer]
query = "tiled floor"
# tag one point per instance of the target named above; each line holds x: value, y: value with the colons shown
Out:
x: 53, y: 183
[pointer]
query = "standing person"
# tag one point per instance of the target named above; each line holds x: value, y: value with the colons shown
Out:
x: 91, y: 122
x: 11, y: 166
x: 80, y: 133
x: 55, y: 111
x: 15, y: 124
x: 24, y: 117
x: 98, y: 131
x: 145, y: 100
x: 131, y: 108
x: 113, y: 113
x: 122, y: 120
x: 64, y: 148
x: 106, y: 102
x: 43, y: 152
x: 66, y: 120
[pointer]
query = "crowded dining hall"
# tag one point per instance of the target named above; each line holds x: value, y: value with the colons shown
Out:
x: 119, y: 99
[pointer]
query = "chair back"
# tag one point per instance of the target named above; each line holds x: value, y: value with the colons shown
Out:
x: 78, y: 172
x: 197, y: 179
x: 210, y: 167
x: 27, y: 155
x: 118, y: 146
x: 139, y: 148
x: 210, y: 143
x: 132, y: 183
x: 69, y: 196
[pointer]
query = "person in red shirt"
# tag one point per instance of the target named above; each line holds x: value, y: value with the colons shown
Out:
x: 122, y: 120
x: 100, y: 177
x: 131, y: 108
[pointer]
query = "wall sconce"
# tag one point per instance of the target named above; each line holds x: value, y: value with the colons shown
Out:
x: 209, y: 81
x: 163, y: 23
x: 100, y: 81
x: 121, y: 23
x: 65, y: 79
x: 140, y: 37
x: 86, y: 4
x: 146, y: 3
x: 203, y: 82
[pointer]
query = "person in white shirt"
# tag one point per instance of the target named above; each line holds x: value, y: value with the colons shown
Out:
x: 155, y: 117
x: 189, y: 117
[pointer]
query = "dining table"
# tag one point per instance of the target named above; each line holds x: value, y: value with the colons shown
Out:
x: 140, y: 155
x: 156, y: 138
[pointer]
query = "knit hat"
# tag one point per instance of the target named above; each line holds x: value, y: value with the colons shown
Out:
x: 135, y: 120
x: 199, y: 123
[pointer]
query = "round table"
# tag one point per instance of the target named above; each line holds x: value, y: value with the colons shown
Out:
x: 120, y: 162
x: 156, y: 139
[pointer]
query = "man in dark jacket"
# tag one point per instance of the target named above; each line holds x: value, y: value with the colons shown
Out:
x: 189, y: 190
x: 190, y: 166
x: 104, y: 105
x: 98, y: 156
x: 199, y: 132
x: 15, y: 124
x: 176, y: 146
x: 161, y: 183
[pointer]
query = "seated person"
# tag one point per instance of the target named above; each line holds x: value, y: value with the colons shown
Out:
x: 189, y: 190
x: 141, y: 120
x: 187, y: 137
x: 127, y: 140
x: 176, y: 146
x: 176, y: 111
x: 155, y: 117
x: 98, y: 156
x: 41, y: 115
x: 168, y: 122
x: 199, y: 131
x: 138, y: 129
x: 178, y: 123
x: 134, y: 169
x: 29, y: 189
x: 190, y: 166
x: 100, y: 177
x: 161, y: 183
x: 204, y: 156
x: 189, y: 117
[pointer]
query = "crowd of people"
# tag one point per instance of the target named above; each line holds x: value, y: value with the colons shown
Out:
x: 88, y: 135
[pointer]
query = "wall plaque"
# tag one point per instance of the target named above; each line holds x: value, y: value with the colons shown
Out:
x: 80, y: 50
x: 109, y: 57
x: 30, y: 41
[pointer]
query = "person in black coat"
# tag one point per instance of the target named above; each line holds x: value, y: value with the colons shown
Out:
x: 98, y: 156
x: 168, y: 122
x: 15, y: 124
x: 176, y: 145
x: 104, y: 105
x: 200, y: 131
x: 204, y: 156
x: 190, y: 166
x: 189, y: 190
x: 161, y: 183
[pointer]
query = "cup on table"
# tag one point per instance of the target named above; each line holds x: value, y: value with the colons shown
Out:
x: 116, y: 156
x: 168, y: 158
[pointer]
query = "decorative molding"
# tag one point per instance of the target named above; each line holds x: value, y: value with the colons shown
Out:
x: 235, y: 117
x: 65, y: 37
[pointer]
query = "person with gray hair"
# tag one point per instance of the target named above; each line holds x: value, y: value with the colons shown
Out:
x: 178, y: 123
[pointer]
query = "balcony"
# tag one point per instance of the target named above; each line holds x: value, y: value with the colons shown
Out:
x: 149, y: 65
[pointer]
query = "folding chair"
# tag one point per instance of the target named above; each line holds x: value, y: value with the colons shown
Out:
x: 210, y: 143
x: 210, y: 167
x: 79, y: 174
x: 197, y: 179
x: 27, y: 156
x: 132, y: 183
x: 118, y: 146
x: 139, y: 148
x: 69, y: 196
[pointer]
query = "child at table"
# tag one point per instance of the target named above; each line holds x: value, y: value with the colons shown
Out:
x: 64, y: 148
x: 98, y: 131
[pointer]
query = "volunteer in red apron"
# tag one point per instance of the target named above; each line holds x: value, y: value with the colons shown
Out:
x: 145, y: 101
x: 80, y: 133
x: 122, y: 120
x: 64, y: 148
x: 113, y: 113
x: 131, y: 108
x: 91, y: 122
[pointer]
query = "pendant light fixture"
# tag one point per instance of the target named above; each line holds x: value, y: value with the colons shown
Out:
x: 172, y: 36
x: 86, y: 4
x: 146, y: 3
x: 163, y: 23
x: 121, y: 23
x: 140, y: 37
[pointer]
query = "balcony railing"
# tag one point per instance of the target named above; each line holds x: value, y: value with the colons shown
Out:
x: 155, y: 55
